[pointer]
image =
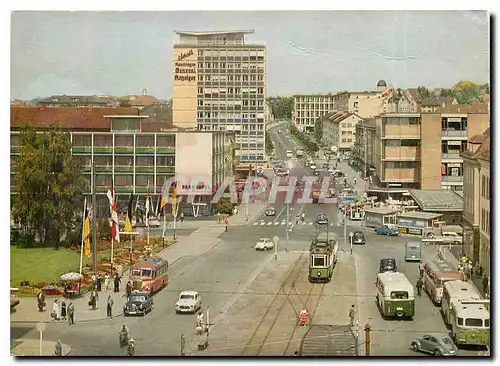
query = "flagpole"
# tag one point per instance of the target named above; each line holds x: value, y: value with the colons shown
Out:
x: 83, y: 223
x: 112, y: 245
x: 147, y: 211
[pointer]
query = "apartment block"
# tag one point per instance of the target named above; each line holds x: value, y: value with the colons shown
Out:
x: 307, y: 109
x: 364, y: 145
x: 422, y: 150
x: 114, y: 139
x: 339, y: 129
x: 219, y: 84
x: 475, y: 157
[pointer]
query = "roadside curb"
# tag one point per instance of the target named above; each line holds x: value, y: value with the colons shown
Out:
x: 33, y: 345
x: 120, y: 314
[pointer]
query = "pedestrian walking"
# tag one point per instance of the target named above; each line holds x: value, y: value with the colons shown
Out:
x: 117, y: 281
x: 58, y: 348
x: 55, y: 310
x: 63, y: 310
x: 109, y: 307
x: 419, y: 286
x: 485, y: 284
x: 93, y: 299
x: 106, y: 282
x: 352, y: 314
x: 71, y: 313
x: 182, y: 217
x: 128, y: 288
x: 98, y: 282
x: 94, y: 281
x: 421, y: 268
x: 119, y: 270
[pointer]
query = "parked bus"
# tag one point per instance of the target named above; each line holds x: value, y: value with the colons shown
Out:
x: 466, y: 313
x: 149, y: 275
x: 436, y: 274
x: 395, y: 296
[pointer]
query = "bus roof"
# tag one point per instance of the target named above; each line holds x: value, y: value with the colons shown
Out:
x: 461, y: 290
x: 470, y: 310
x: 443, y: 270
x: 150, y: 263
x: 395, y: 281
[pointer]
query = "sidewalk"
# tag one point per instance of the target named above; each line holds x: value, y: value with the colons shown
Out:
x: 31, y: 348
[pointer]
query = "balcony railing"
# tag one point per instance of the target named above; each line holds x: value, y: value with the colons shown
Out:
x: 165, y: 150
x: 82, y: 149
x: 450, y: 156
x: 103, y: 169
x: 165, y: 169
x: 14, y: 149
x: 103, y: 149
x: 145, y: 169
x: 123, y: 149
x: 451, y: 178
x: 453, y: 133
x: 145, y: 150
x: 124, y: 168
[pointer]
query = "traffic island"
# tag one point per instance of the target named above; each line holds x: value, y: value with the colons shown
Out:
x: 31, y: 348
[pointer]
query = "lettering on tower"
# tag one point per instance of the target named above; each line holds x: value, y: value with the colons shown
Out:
x: 185, y: 70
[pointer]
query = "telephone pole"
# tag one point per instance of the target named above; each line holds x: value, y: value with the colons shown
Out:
x: 94, y: 229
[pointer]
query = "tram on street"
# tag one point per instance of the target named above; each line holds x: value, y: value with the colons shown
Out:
x: 323, y: 257
x: 149, y: 275
x: 466, y: 313
x: 395, y: 296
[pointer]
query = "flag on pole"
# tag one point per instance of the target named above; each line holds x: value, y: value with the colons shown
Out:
x: 174, y: 200
x: 113, y: 209
x: 164, y: 194
x: 158, y: 207
x: 128, y: 219
x: 86, y: 229
x: 148, y: 204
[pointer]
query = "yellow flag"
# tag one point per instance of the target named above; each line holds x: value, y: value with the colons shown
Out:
x: 86, y: 230
x: 174, y: 200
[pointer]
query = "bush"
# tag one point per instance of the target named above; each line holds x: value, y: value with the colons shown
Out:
x: 26, y: 241
x: 225, y: 207
x: 103, y: 229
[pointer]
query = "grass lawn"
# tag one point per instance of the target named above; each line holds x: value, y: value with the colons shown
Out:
x: 42, y: 264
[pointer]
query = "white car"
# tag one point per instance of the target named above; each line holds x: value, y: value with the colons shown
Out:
x: 313, y: 166
x: 154, y: 222
x: 330, y: 169
x: 188, y: 302
x: 264, y: 244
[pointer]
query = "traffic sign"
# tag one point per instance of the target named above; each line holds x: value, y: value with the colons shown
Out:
x: 276, y: 239
x: 351, y: 234
x: 40, y: 327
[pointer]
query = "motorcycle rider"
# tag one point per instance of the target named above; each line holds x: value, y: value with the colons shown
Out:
x: 303, y: 216
x: 123, y: 335
x: 131, y: 348
x: 296, y: 220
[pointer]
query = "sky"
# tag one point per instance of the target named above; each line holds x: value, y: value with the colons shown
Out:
x: 121, y: 53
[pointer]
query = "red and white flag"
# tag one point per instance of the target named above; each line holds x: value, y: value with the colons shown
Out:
x: 113, y: 209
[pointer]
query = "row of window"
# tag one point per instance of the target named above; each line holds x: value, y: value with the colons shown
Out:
x: 402, y: 120
x: 401, y: 164
x: 228, y: 78
x: 347, y: 140
x: 231, y: 90
x: 127, y: 179
x: 226, y: 52
x: 485, y: 187
x: 122, y: 160
x: 236, y: 115
x: 485, y: 221
x: 231, y: 103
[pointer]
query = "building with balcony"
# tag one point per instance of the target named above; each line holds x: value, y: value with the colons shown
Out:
x: 219, y: 84
x: 307, y: 109
x: 422, y: 150
x: 124, y: 154
x: 364, y: 145
x: 476, y: 197
x: 339, y: 129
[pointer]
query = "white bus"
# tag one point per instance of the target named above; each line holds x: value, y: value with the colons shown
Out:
x: 436, y: 274
x: 289, y: 154
x: 454, y: 291
x: 395, y: 295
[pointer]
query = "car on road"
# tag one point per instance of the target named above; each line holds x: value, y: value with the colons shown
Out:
x: 313, y: 166
x: 321, y: 219
x: 270, y: 211
x: 324, y: 166
x: 437, y: 344
x: 154, y: 222
x: 387, y: 230
x: 330, y: 169
x: 188, y: 302
x: 337, y: 174
x: 307, y: 163
x: 387, y: 265
x: 358, y: 238
x: 138, y: 303
x: 316, y: 172
x: 264, y: 244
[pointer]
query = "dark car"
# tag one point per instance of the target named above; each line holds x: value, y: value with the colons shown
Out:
x: 358, y: 238
x: 386, y: 230
x: 387, y: 265
x: 325, y: 165
x: 338, y: 174
x: 138, y: 303
x: 321, y: 219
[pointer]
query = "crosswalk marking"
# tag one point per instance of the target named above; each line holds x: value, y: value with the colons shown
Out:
x: 262, y: 223
x: 276, y: 223
x: 269, y: 223
x: 283, y: 223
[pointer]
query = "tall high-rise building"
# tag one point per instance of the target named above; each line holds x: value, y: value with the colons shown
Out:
x: 219, y: 84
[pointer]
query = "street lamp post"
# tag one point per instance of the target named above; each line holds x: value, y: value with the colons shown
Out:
x: 351, y: 234
x: 276, y: 240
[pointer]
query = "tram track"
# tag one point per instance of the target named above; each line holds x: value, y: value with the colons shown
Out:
x: 312, y: 312
x: 267, y: 322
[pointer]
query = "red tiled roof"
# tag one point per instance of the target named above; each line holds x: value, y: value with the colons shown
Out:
x: 466, y: 108
x: 67, y: 118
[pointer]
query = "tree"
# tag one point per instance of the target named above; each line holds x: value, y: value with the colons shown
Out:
x: 318, y: 130
x: 49, y: 185
x: 281, y: 106
x: 224, y: 206
x: 269, y: 145
x: 424, y: 92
